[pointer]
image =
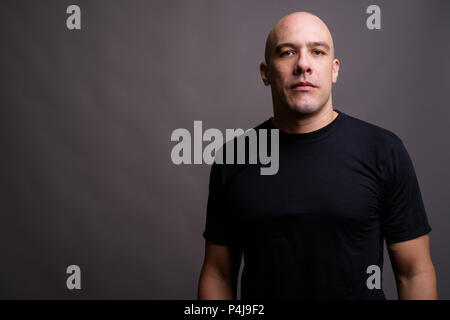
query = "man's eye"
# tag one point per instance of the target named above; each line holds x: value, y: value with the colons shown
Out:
x: 318, y: 52
x: 286, y: 53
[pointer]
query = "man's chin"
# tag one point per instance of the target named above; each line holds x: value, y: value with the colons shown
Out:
x: 304, y: 108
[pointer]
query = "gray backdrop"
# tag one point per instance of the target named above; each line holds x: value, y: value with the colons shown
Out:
x: 87, y: 115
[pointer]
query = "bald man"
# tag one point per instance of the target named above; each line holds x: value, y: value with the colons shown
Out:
x: 315, y: 230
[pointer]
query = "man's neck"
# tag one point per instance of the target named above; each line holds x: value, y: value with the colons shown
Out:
x: 306, y: 123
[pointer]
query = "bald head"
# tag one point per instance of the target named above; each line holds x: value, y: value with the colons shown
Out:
x: 294, y: 23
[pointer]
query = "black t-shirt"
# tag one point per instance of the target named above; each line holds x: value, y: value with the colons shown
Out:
x: 311, y: 230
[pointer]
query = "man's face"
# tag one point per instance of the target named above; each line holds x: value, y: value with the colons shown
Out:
x: 302, y: 67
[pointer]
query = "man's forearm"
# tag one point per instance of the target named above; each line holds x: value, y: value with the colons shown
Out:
x: 420, y: 286
x: 215, y: 288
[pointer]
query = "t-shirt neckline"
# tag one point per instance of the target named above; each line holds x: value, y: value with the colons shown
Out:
x: 313, y: 135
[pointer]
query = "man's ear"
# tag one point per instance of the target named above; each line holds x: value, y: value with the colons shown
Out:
x: 335, y: 70
x: 264, y: 69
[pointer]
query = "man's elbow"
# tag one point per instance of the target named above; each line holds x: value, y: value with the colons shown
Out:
x: 418, y: 284
x: 416, y: 271
x: 216, y: 286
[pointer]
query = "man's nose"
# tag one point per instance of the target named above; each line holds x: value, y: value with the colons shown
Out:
x: 303, y: 64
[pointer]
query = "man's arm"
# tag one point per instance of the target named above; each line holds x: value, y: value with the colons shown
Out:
x: 219, y: 274
x: 413, y: 268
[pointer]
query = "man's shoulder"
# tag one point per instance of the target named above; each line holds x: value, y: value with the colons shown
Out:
x: 228, y: 168
x: 263, y: 125
x: 368, y: 132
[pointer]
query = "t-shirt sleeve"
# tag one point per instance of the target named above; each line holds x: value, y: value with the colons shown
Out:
x: 404, y: 216
x: 219, y: 220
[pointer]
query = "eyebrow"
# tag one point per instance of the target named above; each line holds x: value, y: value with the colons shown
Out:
x: 309, y: 44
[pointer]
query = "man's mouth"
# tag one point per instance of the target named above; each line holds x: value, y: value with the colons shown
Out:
x: 303, y: 86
